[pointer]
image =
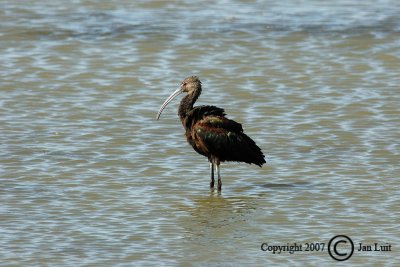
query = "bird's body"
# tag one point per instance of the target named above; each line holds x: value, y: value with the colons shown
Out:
x: 213, y: 135
x: 210, y: 133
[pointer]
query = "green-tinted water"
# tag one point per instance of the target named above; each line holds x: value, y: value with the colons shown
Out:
x: 89, y: 177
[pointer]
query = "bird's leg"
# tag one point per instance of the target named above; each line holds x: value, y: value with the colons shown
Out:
x: 219, y: 179
x: 212, y: 175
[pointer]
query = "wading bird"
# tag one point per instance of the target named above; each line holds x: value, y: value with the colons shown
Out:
x: 210, y: 133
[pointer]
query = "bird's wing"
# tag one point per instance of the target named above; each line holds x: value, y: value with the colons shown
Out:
x: 225, y: 139
x: 200, y: 112
x: 220, y: 124
x: 209, y: 110
x: 217, y: 134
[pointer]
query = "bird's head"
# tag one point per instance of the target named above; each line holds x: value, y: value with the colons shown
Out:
x: 189, y: 85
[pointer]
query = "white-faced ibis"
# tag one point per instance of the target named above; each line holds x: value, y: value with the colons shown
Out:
x: 210, y: 133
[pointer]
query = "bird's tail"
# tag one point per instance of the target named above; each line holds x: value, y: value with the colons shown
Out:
x: 255, y: 154
x: 248, y: 151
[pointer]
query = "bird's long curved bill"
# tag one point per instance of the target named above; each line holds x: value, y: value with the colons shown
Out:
x: 169, y: 99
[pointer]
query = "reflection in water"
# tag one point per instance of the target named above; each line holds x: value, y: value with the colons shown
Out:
x: 216, y: 211
x: 213, y: 223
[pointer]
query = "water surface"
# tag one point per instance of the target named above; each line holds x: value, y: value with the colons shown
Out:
x: 89, y: 177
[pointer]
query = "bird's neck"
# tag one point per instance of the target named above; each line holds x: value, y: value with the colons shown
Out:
x: 187, y: 103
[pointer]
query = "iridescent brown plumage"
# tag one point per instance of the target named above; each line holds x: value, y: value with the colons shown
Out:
x: 210, y: 133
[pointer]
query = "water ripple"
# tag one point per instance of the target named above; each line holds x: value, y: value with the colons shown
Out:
x: 89, y: 177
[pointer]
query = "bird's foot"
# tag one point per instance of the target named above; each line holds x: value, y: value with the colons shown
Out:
x: 212, y: 184
x: 219, y: 185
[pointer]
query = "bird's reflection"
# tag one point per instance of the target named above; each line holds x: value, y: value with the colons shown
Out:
x: 214, y: 214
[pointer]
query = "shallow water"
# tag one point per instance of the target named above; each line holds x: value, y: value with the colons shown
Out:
x: 89, y: 177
